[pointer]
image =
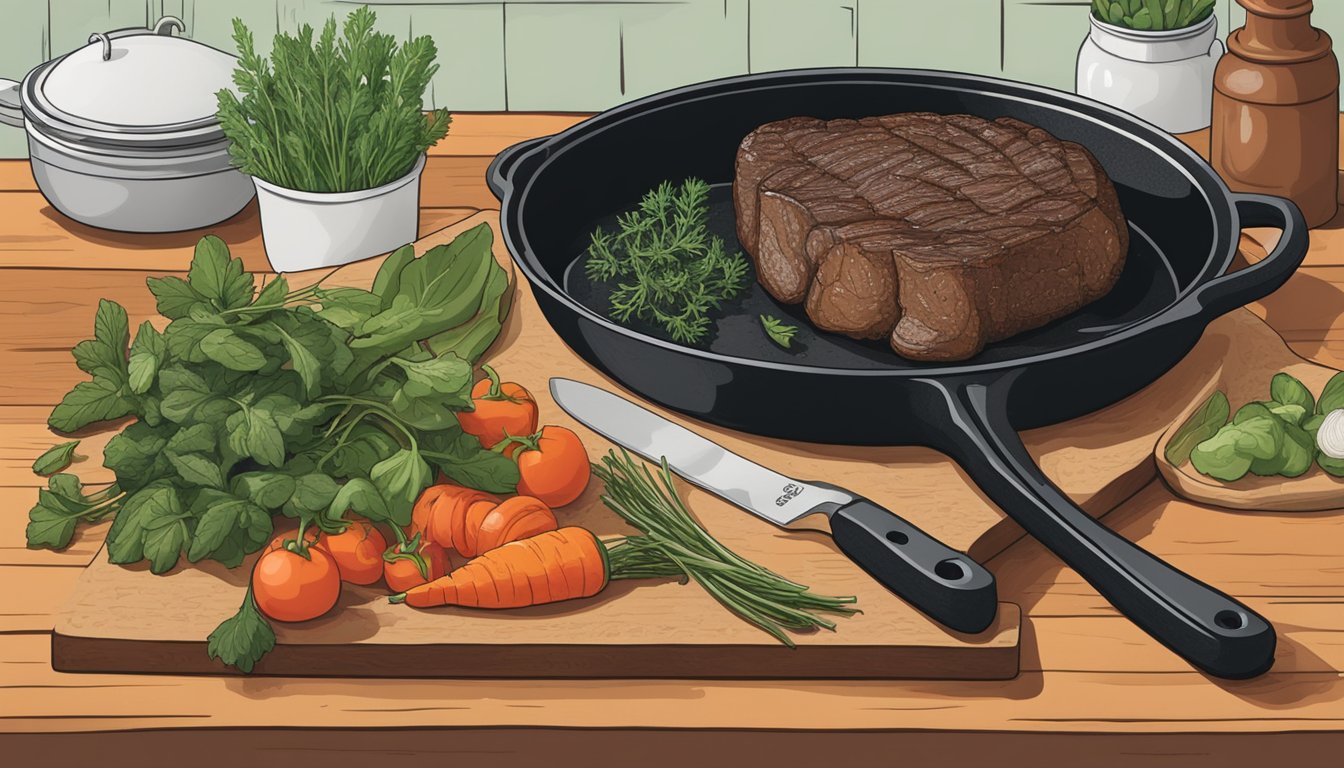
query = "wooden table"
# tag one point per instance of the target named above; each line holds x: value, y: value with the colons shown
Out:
x: 1091, y: 683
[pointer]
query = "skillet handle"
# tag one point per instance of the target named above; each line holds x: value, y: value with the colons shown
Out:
x: 499, y: 176
x: 1206, y: 627
x: 1224, y: 294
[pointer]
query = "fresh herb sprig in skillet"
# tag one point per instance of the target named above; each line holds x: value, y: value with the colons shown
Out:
x: 779, y: 331
x: 669, y: 270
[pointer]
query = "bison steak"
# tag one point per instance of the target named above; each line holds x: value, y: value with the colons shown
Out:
x: 941, y: 232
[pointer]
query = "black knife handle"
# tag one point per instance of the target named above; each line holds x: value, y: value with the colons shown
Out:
x: 947, y: 585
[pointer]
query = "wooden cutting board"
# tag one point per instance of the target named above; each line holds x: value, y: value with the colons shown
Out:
x: 128, y: 620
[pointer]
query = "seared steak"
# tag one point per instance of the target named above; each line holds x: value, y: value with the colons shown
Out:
x: 943, y: 232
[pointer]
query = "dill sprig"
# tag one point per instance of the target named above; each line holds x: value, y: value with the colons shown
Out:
x: 331, y: 115
x: 670, y: 270
x: 673, y: 543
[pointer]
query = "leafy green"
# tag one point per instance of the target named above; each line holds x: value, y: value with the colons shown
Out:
x: 1203, y: 424
x: 1287, y: 390
x: 253, y: 402
x: 667, y: 269
x: 55, y: 458
x: 242, y: 639
x: 329, y: 114
x: 1332, y: 396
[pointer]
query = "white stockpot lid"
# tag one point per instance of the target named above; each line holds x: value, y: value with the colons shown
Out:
x: 136, y: 86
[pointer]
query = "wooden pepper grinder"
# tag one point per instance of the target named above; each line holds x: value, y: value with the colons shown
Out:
x: 1276, y: 108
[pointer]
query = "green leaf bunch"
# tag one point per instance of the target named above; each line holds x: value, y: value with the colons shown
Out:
x: 331, y: 114
x: 667, y: 268
x: 1267, y: 438
x: 1155, y: 15
x: 262, y: 400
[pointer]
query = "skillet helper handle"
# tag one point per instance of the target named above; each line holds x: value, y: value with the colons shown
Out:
x: 1206, y: 627
x: 499, y: 176
x: 1224, y: 294
x: 950, y: 587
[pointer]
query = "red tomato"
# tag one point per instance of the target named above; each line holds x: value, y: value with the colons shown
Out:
x: 358, y: 551
x: 553, y: 466
x: 290, y: 587
x: 402, y: 572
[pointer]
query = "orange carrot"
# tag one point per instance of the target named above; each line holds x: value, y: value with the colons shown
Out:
x: 557, y: 565
x: 473, y: 522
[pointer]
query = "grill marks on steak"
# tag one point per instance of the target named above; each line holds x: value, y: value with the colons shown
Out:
x: 943, y: 232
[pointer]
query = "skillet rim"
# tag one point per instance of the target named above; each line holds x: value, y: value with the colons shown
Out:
x: 1165, y: 146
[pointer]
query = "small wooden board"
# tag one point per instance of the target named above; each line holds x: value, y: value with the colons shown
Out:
x: 127, y: 620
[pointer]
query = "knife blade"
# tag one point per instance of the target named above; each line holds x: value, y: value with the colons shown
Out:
x: 942, y: 582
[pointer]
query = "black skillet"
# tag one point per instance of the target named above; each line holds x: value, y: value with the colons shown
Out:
x: 1184, y: 231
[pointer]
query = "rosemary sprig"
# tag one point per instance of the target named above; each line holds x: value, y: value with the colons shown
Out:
x: 674, y: 544
x: 670, y: 270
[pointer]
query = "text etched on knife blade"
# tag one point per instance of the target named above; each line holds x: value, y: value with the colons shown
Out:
x: 791, y: 492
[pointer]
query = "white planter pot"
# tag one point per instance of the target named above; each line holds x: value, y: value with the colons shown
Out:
x: 308, y: 230
x: 1165, y: 77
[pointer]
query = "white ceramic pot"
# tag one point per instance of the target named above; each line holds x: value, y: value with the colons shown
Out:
x: 308, y: 230
x: 1163, y: 77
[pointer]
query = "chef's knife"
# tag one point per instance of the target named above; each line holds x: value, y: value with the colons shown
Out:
x: 940, y: 581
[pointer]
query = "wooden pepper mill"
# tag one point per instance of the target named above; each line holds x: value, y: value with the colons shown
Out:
x: 1276, y: 108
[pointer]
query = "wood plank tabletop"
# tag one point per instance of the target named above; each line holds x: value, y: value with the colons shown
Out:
x: 1090, y: 680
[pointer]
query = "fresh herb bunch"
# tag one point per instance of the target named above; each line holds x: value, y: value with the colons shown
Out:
x: 309, y: 402
x: 674, y: 544
x: 670, y: 270
x: 1155, y: 15
x: 331, y: 115
x: 1271, y: 437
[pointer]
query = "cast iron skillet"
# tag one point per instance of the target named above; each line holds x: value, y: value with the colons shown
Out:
x: 1184, y: 230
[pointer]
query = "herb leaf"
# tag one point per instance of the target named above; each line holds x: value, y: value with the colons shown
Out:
x: 55, y: 458
x: 1332, y: 396
x: 778, y: 331
x: 90, y: 401
x: 1203, y: 424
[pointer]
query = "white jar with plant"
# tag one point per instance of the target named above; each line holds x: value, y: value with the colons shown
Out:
x: 332, y: 133
x: 1153, y: 59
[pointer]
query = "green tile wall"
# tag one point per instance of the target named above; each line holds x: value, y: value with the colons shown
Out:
x: 572, y: 55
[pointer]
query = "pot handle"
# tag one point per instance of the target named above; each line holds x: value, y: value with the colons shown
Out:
x: 1209, y: 629
x: 499, y: 176
x: 11, y: 103
x: 1224, y: 294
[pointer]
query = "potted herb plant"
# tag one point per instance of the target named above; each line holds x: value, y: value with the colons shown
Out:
x: 332, y: 133
x: 1153, y: 59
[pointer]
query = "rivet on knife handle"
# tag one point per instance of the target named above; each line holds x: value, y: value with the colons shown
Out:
x: 950, y: 587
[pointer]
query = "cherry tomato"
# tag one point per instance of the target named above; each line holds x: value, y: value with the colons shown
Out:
x: 290, y: 587
x: 552, y: 466
x: 501, y: 409
x: 358, y: 551
x: 402, y: 572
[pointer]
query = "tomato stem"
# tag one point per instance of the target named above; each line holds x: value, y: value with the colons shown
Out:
x: 496, y: 391
x: 529, y: 442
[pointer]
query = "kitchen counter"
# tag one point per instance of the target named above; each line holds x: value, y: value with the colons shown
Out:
x: 1090, y: 681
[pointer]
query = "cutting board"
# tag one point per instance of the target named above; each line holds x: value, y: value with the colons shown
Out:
x: 128, y: 620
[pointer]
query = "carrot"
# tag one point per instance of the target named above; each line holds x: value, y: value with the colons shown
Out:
x: 557, y: 565
x: 473, y: 522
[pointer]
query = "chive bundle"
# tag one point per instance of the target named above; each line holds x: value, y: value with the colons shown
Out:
x: 673, y: 544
